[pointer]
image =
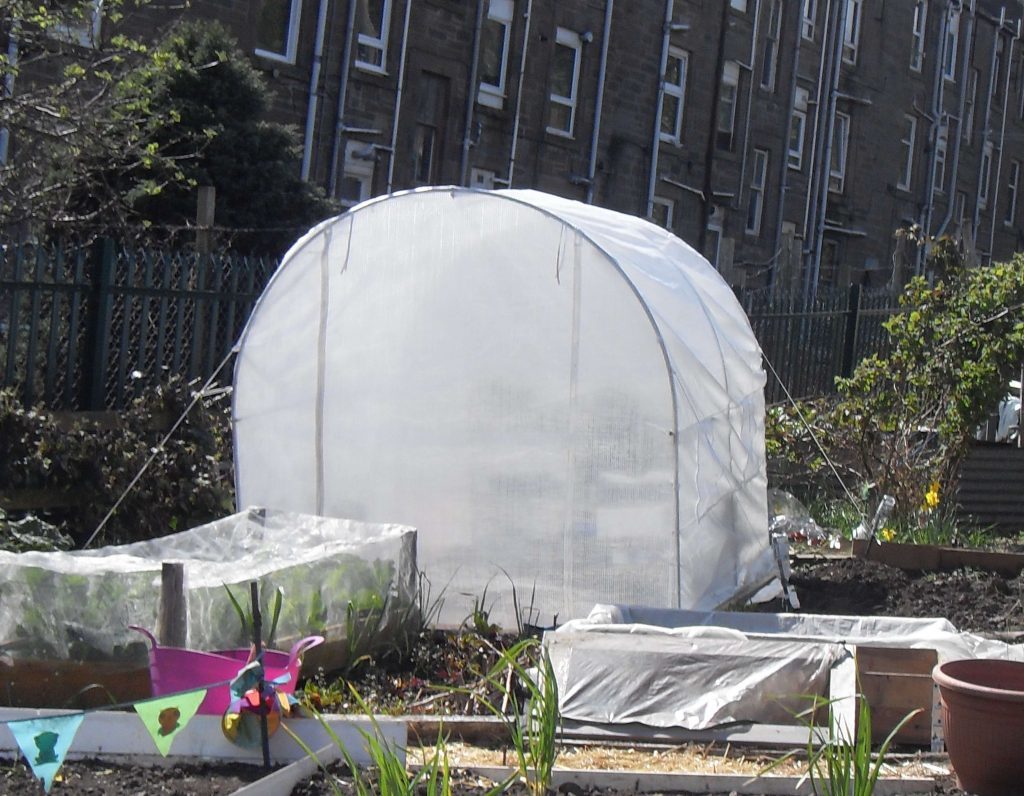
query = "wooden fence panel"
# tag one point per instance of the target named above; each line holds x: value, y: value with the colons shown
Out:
x: 89, y: 328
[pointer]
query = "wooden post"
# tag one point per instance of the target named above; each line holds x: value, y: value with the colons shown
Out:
x: 172, y: 624
x: 97, y: 332
x: 257, y: 642
x: 206, y: 207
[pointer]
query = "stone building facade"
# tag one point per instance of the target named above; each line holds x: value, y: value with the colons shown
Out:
x: 788, y: 140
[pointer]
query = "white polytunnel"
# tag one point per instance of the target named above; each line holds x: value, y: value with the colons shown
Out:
x: 565, y: 401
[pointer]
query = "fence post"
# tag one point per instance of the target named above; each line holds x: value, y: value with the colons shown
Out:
x: 850, y: 337
x: 97, y: 326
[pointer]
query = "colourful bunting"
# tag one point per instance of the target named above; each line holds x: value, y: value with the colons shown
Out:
x: 45, y: 742
x: 165, y: 717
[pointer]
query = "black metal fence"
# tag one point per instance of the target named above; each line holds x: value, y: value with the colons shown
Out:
x: 807, y: 344
x: 90, y: 327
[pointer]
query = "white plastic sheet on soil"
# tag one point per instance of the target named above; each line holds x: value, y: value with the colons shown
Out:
x: 699, y: 669
x: 79, y: 604
x: 554, y: 390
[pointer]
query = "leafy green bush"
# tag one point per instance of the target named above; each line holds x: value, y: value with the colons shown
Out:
x: 80, y: 468
x: 902, y: 422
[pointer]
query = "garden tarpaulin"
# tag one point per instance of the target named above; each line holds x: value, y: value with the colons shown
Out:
x: 564, y: 400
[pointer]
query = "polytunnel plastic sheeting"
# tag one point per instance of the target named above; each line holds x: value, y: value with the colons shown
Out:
x: 564, y: 400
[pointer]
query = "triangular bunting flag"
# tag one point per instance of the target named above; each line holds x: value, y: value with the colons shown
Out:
x: 45, y: 742
x: 167, y: 716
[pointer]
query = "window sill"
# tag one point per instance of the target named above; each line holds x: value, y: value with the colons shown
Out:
x: 490, y: 98
x: 373, y: 69
x: 567, y: 134
x: 275, y: 57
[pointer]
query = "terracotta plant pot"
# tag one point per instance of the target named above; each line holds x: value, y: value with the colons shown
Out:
x: 983, y: 717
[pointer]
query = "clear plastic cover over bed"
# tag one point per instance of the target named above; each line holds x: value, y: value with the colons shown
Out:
x: 547, y: 390
x: 79, y: 604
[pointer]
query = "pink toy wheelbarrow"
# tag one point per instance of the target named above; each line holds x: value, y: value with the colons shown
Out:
x: 174, y: 669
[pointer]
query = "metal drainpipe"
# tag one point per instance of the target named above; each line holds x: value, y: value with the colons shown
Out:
x: 988, y: 133
x: 933, y: 136
x: 965, y: 69
x: 652, y: 177
x: 707, y: 187
x: 339, y: 125
x: 314, y: 86
x: 784, y: 158
x: 519, y: 95
x: 398, y: 95
x: 471, y: 92
x: 602, y: 72
x: 1002, y: 135
x: 12, y: 65
x: 738, y: 200
x: 819, y: 103
x: 826, y: 153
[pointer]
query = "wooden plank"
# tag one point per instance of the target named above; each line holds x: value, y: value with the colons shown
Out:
x: 37, y: 684
x: 784, y: 735
x: 842, y: 695
x: 578, y: 780
x: 935, y: 558
x: 285, y: 779
x: 892, y: 697
x: 895, y: 682
x: 901, y: 660
x: 116, y: 735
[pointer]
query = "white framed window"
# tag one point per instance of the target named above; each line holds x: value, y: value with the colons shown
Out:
x: 807, y: 18
x: 494, y: 40
x: 739, y: 5
x: 425, y: 154
x: 970, y: 102
x: 713, y: 243
x: 949, y: 54
x: 828, y: 269
x: 565, y: 81
x: 373, y: 18
x: 840, y: 150
x: 1020, y: 86
x: 917, y: 33
x: 758, y: 179
x: 76, y: 22
x: 673, y: 103
x: 907, y: 143
x: 960, y: 208
x: 727, y: 100
x: 798, y: 130
x: 357, y: 180
x: 482, y: 178
x: 984, y: 174
x: 277, y: 29
x: 1012, y: 186
x: 941, y: 145
x: 851, y: 36
x: 997, y: 71
x: 770, y: 55
x: 663, y: 212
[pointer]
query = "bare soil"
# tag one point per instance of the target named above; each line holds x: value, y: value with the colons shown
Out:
x: 972, y: 600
